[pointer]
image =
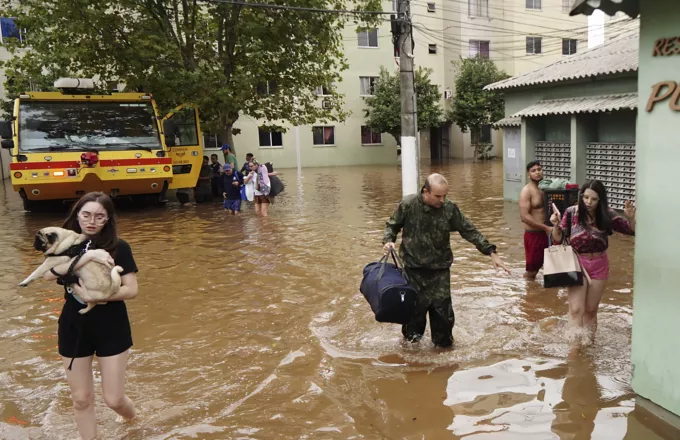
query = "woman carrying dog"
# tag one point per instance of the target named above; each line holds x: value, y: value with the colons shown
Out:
x: 588, y: 227
x: 104, y: 330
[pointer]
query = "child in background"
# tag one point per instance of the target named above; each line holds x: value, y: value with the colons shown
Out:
x: 232, y: 181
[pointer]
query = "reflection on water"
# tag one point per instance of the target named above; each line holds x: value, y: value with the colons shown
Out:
x: 252, y: 327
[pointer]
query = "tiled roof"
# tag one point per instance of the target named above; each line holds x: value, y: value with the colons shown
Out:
x: 609, y: 7
x: 510, y: 121
x: 620, y: 55
x: 589, y: 104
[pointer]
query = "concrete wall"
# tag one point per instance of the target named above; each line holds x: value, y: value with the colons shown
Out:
x: 617, y: 127
x: 656, y: 346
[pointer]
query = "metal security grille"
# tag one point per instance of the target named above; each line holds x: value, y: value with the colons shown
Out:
x: 555, y: 158
x: 613, y: 165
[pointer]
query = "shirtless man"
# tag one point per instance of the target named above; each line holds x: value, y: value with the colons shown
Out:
x: 531, y: 211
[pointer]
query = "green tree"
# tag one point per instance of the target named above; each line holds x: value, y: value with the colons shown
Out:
x: 383, y: 112
x: 225, y: 59
x: 473, y: 107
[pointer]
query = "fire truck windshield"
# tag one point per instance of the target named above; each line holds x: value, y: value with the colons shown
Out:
x: 52, y: 126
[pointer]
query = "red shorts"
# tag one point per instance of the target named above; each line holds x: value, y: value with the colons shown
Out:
x: 535, y: 242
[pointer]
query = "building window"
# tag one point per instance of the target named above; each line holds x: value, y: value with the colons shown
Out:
x: 569, y: 46
x: 367, y: 85
x: 534, y: 4
x: 323, y: 91
x: 479, y: 48
x: 566, y: 6
x: 431, y: 7
x: 483, y: 136
x: 9, y: 29
x: 534, y: 45
x: 368, y: 38
x: 267, y: 88
x: 370, y: 137
x: 395, y: 5
x: 324, y: 135
x: 270, y: 138
x: 432, y: 49
x: 478, y: 8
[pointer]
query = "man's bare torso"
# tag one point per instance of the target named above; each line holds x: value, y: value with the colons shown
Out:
x: 536, y: 207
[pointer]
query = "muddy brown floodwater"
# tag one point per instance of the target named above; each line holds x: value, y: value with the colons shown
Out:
x: 255, y: 328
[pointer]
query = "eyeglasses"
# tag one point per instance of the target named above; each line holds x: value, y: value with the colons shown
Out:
x: 99, y: 219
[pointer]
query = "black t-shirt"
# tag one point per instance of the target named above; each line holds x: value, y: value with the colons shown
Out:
x: 216, y: 167
x: 122, y: 257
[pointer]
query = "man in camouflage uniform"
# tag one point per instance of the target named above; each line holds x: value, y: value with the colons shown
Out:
x: 427, y: 219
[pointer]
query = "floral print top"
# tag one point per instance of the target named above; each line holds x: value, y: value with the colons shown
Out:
x: 590, y: 239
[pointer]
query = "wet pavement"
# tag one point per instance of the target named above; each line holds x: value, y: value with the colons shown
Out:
x: 255, y: 328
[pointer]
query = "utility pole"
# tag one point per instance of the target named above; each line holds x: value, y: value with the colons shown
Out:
x: 410, y: 175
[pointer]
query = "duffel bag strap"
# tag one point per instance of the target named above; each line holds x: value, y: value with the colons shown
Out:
x: 398, y: 263
x: 381, y: 271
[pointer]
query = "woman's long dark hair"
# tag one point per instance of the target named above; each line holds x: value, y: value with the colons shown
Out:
x: 603, y: 219
x: 107, y: 238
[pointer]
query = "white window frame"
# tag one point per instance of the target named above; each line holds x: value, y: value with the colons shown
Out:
x: 481, y: 7
x: 372, y: 144
x: 534, y: 46
x: 371, y: 85
x: 395, y: 5
x: 477, y: 45
x: 569, y: 46
x: 271, y: 145
x: 324, y: 144
x: 368, y: 39
x: 533, y: 5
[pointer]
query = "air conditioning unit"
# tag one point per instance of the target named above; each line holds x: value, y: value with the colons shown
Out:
x: 326, y: 104
x: 448, y: 94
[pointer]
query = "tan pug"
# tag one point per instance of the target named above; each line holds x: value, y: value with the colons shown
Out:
x: 94, y: 276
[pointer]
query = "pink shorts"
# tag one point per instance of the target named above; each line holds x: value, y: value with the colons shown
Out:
x: 597, y: 267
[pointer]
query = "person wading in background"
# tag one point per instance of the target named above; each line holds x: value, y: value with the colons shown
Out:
x: 427, y: 219
x: 532, y: 213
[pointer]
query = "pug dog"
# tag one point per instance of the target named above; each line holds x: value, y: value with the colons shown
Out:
x: 57, y: 245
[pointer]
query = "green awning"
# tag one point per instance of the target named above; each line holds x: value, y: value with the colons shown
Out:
x: 609, y: 7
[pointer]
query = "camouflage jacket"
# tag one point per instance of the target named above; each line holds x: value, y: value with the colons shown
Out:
x: 426, y: 233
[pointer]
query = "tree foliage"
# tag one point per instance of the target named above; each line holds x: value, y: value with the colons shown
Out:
x: 474, y: 107
x: 215, y: 56
x: 383, y: 112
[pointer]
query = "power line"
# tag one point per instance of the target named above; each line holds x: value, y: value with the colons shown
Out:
x: 295, y: 8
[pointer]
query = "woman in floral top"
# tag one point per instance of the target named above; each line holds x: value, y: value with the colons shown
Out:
x: 588, y: 227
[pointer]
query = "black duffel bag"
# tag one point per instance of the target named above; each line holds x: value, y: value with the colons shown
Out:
x: 387, y: 289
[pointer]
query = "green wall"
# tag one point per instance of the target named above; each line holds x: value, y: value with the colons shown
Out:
x: 518, y: 99
x: 656, y: 308
x: 617, y: 127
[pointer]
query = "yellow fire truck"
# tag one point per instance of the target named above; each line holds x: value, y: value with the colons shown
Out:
x: 65, y: 144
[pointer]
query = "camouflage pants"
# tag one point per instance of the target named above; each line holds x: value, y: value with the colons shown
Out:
x: 434, y: 297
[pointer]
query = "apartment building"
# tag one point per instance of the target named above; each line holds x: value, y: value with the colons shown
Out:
x: 519, y: 35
